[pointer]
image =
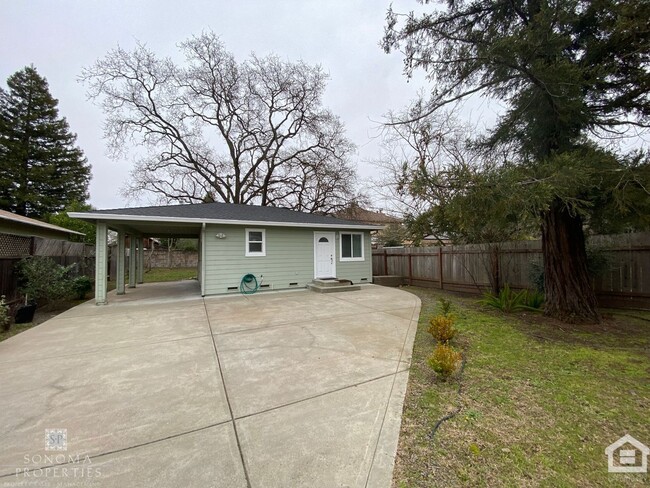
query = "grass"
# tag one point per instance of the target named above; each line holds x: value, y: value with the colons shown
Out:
x: 539, y: 400
x: 156, y: 275
x: 169, y: 274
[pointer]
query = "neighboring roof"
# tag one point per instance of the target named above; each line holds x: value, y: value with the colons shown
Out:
x: 358, y: 214
x: 21, y: 225
x: 219, y: 213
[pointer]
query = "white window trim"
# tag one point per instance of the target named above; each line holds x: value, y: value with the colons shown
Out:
x: 363, y: 247
x: 255, y: 254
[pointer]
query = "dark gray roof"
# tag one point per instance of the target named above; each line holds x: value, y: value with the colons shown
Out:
x: 230, y: 211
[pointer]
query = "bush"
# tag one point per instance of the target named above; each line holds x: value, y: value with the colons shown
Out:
x: 41, y: 279
x: 81, y: 285
x: 445, y: 306
x: 442, y: 328
x: 5, y: 317
x: 445, y: 360
x: 510, y: 301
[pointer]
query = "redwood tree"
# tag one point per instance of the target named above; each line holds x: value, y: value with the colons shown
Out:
x: 41, y: 170
x: 569, y: 72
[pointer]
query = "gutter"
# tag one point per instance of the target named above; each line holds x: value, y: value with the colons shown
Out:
x: 91, y: 216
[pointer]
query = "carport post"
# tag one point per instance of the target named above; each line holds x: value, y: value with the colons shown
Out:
x: 132, y: 258
x: 140, y: 260
x: 101, y: 263
x: 120, y: 263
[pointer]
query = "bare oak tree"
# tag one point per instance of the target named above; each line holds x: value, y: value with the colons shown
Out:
x: 215, y: 129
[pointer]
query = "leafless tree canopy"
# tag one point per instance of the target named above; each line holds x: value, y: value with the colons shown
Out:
x: 215, y: 129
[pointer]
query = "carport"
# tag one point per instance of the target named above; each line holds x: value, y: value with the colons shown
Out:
x: 136, y: 229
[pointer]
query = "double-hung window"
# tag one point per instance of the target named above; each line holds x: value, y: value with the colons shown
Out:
x: 352, y: 246
x: 255, y: 242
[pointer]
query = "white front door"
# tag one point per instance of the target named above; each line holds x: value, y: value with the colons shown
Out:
x: 324, y: 255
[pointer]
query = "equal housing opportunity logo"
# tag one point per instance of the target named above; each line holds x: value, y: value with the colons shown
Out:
x: 56, y: 465
x: 627, y: 455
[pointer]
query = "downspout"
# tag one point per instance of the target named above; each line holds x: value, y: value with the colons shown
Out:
x: 203, y: 259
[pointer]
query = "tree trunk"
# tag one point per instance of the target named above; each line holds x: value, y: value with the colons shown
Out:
x: 567, y: 285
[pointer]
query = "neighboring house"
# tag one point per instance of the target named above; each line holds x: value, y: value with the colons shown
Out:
x: 20, y: 237
x: 17, y: 225
x: 357, y: 214
x: 283, y: 248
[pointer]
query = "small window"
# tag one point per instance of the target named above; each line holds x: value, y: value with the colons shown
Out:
x: 351, y: 246
x: 255, y: 242
x: 323, y: 239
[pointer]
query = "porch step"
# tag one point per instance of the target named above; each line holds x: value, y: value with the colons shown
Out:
x: 332, y: 285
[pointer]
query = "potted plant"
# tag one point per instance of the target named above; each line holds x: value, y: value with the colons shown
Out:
x: 25, y: 313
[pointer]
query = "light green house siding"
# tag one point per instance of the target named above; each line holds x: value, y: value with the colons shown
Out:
x: 289, y: 258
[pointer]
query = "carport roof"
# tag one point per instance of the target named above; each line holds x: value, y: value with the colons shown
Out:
x: 149, y: 220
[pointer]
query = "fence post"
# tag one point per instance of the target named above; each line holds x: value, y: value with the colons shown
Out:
x: 385, y: 262
x: 410, y: 269
x: 442, y: 286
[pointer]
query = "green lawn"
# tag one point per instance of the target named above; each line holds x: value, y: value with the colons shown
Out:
x: 169, y: 274
x: 540, y: 400
x: 156, y: 275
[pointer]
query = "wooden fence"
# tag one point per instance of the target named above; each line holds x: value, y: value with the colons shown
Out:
x: 624, y: 280
x: 14, y: 248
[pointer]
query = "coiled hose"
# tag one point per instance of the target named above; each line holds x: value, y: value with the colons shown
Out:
x: 248, y: 284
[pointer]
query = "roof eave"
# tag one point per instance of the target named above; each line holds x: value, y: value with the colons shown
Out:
x: 93, y: 216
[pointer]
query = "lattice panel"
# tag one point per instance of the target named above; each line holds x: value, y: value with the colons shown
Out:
x: 12, y: 246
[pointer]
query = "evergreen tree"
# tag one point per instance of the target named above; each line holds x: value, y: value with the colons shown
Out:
x: 41, y: 169
x: 570, y: 72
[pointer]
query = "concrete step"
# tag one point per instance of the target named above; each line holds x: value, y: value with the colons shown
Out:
x: 388, y: 280
x: 330, y: 282
x: 332, y: 289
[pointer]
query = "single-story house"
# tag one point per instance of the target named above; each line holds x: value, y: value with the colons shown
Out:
x: 283, y: 248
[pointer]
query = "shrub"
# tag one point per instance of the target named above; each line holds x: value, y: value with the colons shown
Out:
x: 445, y: 360
x: 42, y: 279
x: 5, y: 317
x: 510, y: 301
x: 533, y: 299
x: 442, y: 328
x: 445, y: 306
x: 81, y: 285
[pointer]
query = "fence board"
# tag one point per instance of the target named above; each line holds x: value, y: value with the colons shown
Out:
x: 624, y: 283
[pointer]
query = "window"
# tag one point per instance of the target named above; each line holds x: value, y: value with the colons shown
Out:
x: 351, y: 246
x: 255, y: 242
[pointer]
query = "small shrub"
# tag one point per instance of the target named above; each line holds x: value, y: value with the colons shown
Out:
x: 442, y: 328
x: 533, y: 299
x: 445, y: 360
x: 509, y: 301
x: 81, y: 285
x: 445, y: 306
x: 42, y: 279
x: 5, y: 316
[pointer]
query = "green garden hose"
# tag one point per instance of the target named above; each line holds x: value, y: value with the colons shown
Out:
x: 249, y: 284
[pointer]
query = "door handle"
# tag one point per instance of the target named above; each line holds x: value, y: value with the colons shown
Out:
x: 331, y: 259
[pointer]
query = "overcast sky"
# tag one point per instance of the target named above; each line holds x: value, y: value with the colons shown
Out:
x: 60, y: 37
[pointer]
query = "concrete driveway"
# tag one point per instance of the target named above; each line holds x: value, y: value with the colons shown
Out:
x: 163, y: 388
